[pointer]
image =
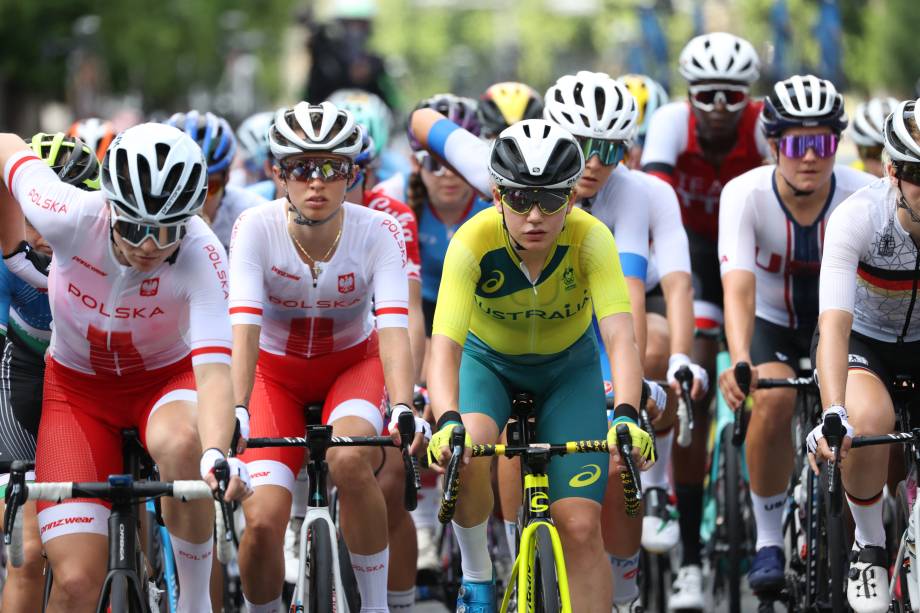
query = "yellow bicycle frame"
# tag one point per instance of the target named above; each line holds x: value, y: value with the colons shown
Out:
x: 536, y: 487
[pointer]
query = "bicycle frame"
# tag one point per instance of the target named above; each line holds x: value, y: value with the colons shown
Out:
x: 322, y: 520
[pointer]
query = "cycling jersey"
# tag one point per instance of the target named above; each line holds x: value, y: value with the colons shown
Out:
x: 235, y: 201
x: 870, y: 266
x: 26, y: 311
x: 434, y: 236
x: 759, y: 234
x: 272, y: 287
x: 673, y: 153
x: 668, y: 248
x: 394, y: 187
x: 406, y: 219
x: 487, y: 291
x: 110, y: 318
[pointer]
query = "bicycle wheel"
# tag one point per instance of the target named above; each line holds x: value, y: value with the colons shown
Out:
x: 547, y: 588
x: 451, y: 572
x: 838, y: 550
x: 901, y: 518
x: 653, y: 581
x: 349, y: 581
x: 319, y: 569
x: 734, y: 522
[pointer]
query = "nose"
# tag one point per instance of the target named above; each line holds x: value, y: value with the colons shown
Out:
x: 535, y: 215
x: 148, y: 246
x: 594, y: 163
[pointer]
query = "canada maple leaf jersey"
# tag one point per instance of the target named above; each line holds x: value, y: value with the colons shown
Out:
x: 365, y: 281
x: 111, y: 318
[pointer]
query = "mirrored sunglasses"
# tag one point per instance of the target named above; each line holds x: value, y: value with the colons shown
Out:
x: 796, y: 146
x: 608, y: 152
x: 550, y: 201
x: 307, y: 169
x: 706, y: 97
x: 136, y: 233
x: 908, y: 172
x: 430, y: 163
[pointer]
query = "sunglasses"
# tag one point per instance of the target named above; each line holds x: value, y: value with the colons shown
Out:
x: 907, y: 172
x: 870, y: 153
x: 307, y: 169
x: 430, y: 163
x: 608, y: 152
x: 135, y: 233
x: 550, y: 201
x: 824, y: 145
x: 706, y: 97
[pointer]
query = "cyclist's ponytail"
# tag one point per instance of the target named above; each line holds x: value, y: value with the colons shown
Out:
x: 416, y: 193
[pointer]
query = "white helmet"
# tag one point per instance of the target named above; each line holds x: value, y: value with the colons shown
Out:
x: 869, y: 121
x: 252, y: 136
x: 155, y: 174
x: 325, y: 127
x: 536, y: 153
x: 802, y: 101
x: 719, y: 56
x: 592, y: 105
x: 900, y: 144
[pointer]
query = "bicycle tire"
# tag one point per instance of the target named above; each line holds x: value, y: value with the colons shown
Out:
x: 319, y: 570
x: 733, y: 520
x: 547, y: 592
x: 901, y: 517
x: 838, y: 551
x: 653, y: 581
x: 451, y: 572
x: 349, y: 581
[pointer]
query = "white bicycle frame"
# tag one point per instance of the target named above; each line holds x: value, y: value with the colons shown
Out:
x: 902, y: 553
x: 323, y: 520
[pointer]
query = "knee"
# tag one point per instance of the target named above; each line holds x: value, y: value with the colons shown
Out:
x: 657, y: 351
x: 579, y: 530
x: 177, y: 451
x: 774, y: 408
x: 265, y: 524
x: 76, y: 583
x: 350, y: 468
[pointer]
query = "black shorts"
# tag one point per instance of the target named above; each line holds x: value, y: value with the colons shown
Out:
x: 655, y: 302
x: 773, y: 343
x: 704, y: 264
x: 428, y: 312
x: 22, y: 376
x: 884, y: 360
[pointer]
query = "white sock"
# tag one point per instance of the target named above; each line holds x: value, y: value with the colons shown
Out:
x: 768, y: 517
x: 867, y: 514
x: 300, y: 494
x: 371, y: 573
x: 625, y: 573
x: 511, y: 536
x: 425, y: 514
x: 193, y: 568
x: 402, y: 602
x: 657, y: 475
x: 275, y: 606
x: 474, y: 552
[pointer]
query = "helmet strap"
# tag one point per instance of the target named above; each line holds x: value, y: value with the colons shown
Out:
x: 903, y: 204
x: 798, y: 193
x: 517, y: 246
x: 300, y: 220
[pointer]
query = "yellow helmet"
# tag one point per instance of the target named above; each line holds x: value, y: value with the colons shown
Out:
x: 69, y: 157
x: 506, y: 103
x: 649, y: 95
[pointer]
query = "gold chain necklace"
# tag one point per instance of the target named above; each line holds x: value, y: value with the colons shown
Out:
x: 314, y: 263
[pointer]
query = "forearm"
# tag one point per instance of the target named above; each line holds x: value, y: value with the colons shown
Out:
x: 416, y: 327
x: 12, y: 221
x: 832, y: 356
x: 677, y: 288
x: 243, y: 361
x: 620, y: 341
x: 739, y: 314
x: 444, y: 375
x: 216, y: 418
x: 636, y: 288
x: 398, y: 366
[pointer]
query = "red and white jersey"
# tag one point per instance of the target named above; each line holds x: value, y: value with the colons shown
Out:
x: 758, y: 233
x: 270, y: 286
x: 672, y: 153
x: 406, y: 218
x: 110, y: 318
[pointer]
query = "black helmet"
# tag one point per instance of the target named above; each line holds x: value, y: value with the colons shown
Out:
x: 536, y: 153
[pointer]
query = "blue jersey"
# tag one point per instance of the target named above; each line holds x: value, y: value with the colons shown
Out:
x: 433, y: 236
x: 25, y: 313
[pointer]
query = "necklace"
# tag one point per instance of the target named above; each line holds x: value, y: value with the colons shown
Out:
x: 314, y: 262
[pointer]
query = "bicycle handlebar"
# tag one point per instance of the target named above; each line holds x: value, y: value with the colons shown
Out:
x: 335, y: 441
x: 743, y: 379
x: 452, y: 476
x: 632, y: 486
x: 807, y: 383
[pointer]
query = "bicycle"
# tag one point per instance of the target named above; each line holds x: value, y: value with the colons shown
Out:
x: 538, y: 579
x: 127, y: 587
x: 320, y: 586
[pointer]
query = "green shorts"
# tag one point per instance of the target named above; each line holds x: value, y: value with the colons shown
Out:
x: 568, y: 392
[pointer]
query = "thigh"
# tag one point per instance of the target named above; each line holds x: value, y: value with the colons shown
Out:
x: 707, y: 283
x: 868, y: 403
x: 483, y: 391
x: 773, y: 343
x: 358, y: 393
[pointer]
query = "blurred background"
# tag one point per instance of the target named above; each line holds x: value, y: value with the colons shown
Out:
x: 64, y: 59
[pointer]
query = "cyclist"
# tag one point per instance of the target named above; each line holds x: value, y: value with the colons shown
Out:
x: 697, y: 146
x: 304, y: 269
x: 25, y: 325
x: 866, y: 335
x: 771, y: 224
x: 224, y: 202
x: 96, y: 133
x: 506, y: 103
x: 138, y: 325
x: 252, y: 138
x: 527, y: 251
x: 866, y: 132
x: 650, y: 95
x: 374, y: 115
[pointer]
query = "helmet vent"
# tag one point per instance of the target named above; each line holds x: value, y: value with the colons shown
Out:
x: 162, y: 150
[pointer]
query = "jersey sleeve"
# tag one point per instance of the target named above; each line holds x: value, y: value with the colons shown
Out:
x: 51, y: 206
x: 848, y: 235
x: 413, y: 254
x: 601, y: 265
x: 631, y: 232
x: 456, y: 293
x: 669, y: 239
x: 208, y: 283
x: 391, y: 286
x: 247, y: 286
x: 737, y: 240
x: 464, y: 151
x: 665, y: 139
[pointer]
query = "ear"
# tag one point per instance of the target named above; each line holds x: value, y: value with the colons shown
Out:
x: 496, y: 199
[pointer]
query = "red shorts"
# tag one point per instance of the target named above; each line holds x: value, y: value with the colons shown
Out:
x: 349, y: 383
x: 79, y: 437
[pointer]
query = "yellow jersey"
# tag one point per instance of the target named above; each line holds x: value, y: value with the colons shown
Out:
x: 486, y: 290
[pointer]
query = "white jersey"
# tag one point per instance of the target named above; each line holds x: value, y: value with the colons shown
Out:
x: 758, y: 233
x: 110, y: 318
x: 235, y: 201
x: 273, y: 288
x: 870, y: 266
x: 669, y: 249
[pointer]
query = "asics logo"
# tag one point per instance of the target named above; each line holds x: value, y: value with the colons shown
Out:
x: 586, y: 477
x: 494, y: 282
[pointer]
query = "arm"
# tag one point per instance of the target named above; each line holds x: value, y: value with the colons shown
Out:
x: 243, y: 360
x: 416, y: 327
x: 677, y: 288
x: 398, y: 367
x: 620, y: 341
x: 834, y: 327
x: 666, y: 137
x: 463, y: 151
x: 216, y: 420
x: 636, y: 289
x: 246, y: 300
x: 739, y: 291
